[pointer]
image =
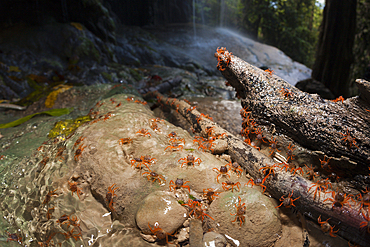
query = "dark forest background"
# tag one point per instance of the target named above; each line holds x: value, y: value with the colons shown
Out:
x: 338, y: 55
x: 332, y: 39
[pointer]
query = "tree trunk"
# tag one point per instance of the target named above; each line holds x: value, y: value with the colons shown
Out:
x: 334, y: 54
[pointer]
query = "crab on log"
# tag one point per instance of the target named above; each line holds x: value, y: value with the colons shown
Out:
x: 339, y: 129
x: 336, y: 129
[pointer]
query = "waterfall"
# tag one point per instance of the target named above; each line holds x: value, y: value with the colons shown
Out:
x: 222, y: 13
x: 195, y: 31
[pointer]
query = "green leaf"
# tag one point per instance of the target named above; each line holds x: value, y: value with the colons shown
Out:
x: 53, y: 112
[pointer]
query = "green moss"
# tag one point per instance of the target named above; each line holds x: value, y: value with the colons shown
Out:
x: 145, y: 46
x: 88, y: 48
x: 66, y: 127
x: 52, y: 63
x: 107, y: 76
x: 137, y: 76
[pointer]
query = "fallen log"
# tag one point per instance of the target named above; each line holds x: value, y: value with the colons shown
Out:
x: 313, y: 122
x: 312, y: 202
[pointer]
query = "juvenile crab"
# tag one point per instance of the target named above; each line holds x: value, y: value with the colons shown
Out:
x: 225, y: 185
x: 13, y: 237
x: 172, y: 134
x: 148, y: 159
x: 326, y: 227
x: 78, y: 141
x: 366, y: 223
x: 109, y: 196
x: 288, y: 201
x: 196, y: 209
x: 270, y: 169
x: 138, y: 162
x: 349, y: 139
x: 364, y: 199
x: 124, y: 141
x: 259, y: 135
x: 154, y: 176
x: 73, y: 188
x: 257, y: 181
x: 178, y: 184
x: 289, y: 153
x: 175, y: 146
x: 143, y: 132
x: 190, y: 160
x: 79, y: 152
x: 210, y: 194
x: 223, y: 171
x: 339, y: 199
x: 235, y: 167
x: 292, y: 168
x: 273, y: 146
x: 49, y: 195
x: 70, y: 234
x: 240, y: 211
x: 159, y: 232
x: 321, y: 185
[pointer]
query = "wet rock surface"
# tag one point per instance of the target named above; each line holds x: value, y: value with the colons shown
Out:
x: 110, y: 187
x: 162, y: 209
x: 259, y: 225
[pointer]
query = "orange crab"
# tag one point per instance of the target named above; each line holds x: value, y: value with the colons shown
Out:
x: 190, y: 160
x: 175, y: 146
x: 141, y: 161
x: 143, y: 132
x: 321, y: 185
x: 311, y: 172
x: 285, y: 92
x: 288, y: 201
x: 223, y: 171
x: 273, y: 146
x: 225, y: 185
x: 176, y: 140
x: 13, y: 237
x: 159, y: 232
x: 70, y: 234
x: 366, y: 223
x: 326, y: 227
x: 270, y: 169
x: 325, y: 163
x: 235, y: 167
x: 259, y: 135
x: 78, y: 141
x: 123, y: 141
x: 289, y: 153
x: 78, y: 152
x: 109, y: 196
x: 339, y: 199
x: 73, y: 188
x: 49, y: 195
x: 178, y: 184
x: 365, y: 199
x: 205, y: 116
x: 154, y: 176
x: 269, y: 71
x: 210, y: 194
x: 349, y: 139
x: 240, y: 211
x: 257, y: 181
x: 172, y: 134
x: 292, y: 168
x: 196, y: 209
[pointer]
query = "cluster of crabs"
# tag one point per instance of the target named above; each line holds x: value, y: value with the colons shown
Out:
x: 322, y: 176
